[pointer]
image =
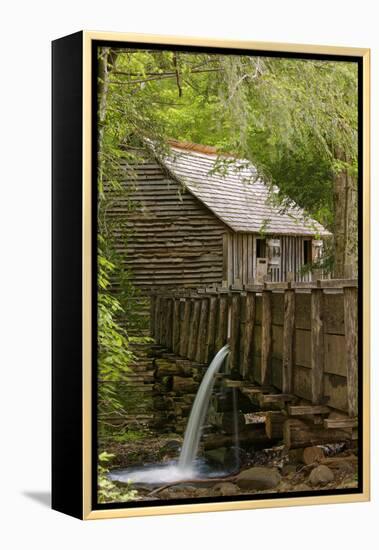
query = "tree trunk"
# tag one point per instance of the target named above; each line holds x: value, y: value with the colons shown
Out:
x: 345, y: 222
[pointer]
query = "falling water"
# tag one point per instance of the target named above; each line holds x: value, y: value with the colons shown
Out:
x: 199, y: 410
x: 186, y: 467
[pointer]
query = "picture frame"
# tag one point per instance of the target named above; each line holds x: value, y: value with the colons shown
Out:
x: 75, y: 383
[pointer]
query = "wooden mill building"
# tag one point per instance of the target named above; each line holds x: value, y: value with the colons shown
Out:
x: 200, y: 219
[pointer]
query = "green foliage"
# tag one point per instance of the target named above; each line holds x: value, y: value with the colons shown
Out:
x: 296, y: 120
x: 107, y: 490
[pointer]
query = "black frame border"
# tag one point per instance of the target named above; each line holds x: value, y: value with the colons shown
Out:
x: 225, y: 51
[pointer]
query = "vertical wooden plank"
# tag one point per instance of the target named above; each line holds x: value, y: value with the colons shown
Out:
x: 200, y: 350
x: 222, y: 321
x: 194, y: 328
x: 254, y: 258
x: 250, y: 252
x: 288, y: 341
x: 176, y: 325
x: 184, y: 328
x: 351, y: 339
x: 152, y: 314
x: 235, y: 301
x: 230, y: 260
x: 244, y: 259
x: 235, y: 259
x: 211, y: 331
x: 160, y: 321
x: 246, y: 332
x: 169, y: 322
x: 156, y: 317
x: 317, y: 346
x: 225, y: 258
x: 266, y: 337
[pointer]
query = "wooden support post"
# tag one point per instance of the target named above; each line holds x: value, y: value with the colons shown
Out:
x: 351, y: 339
x: 160, y: 320
x: 202, y: 332
x: 222, y: 321
x: 176, y: 326
x: 288, y: 340
x: 274, y: 424
x: 156, y: 318
x: 297, y: 433
x: 194, y: 328
x: 152, y: 315
x: 211, y: 330
x: 235, y: 331
x: 168, y: 323
x: 246, y: 332
x: 184, y: 328
x: 317, y: 346
x: 266, y: 337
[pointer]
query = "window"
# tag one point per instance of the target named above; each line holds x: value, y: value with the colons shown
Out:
x: 307, y: 247
x: 261, y: 248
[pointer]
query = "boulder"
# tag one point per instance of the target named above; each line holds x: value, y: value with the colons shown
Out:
x: 258, y: 478
x: 313, y: 454
x: 226, y: 489
x: 321, y: 475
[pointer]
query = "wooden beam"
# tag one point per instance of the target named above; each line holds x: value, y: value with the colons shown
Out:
x: 317, y: 346
x: 200, y: 355
x: 337, y: 283
x: 211, y: 329
x: 340, y: 423
x: 184, y: 328
x: 222, y: 321
x: 288, y: 341
x: 297, y: 434
x: 304, y: 410
x: 274, y: 424
x: 194, y: 328
x: 351, y: 339
x: 266, y: 337
x: 235, y: 303
x: 152, y: 314
x: 176, y: 326
x: 246, y: 332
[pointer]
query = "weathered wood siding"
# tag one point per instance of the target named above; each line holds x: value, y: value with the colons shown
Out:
x: 287, y: 335
x: 240, y: 261
x: 172, y: 239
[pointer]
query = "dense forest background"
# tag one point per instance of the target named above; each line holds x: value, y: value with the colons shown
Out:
x: 296, y: 120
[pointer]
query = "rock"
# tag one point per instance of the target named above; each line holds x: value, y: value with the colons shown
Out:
x: 313, y: 454
x: 258, y: 478
x: 289, y: 469
x: 226, y: 489
x: 295, y: 456
x: 321, y: 475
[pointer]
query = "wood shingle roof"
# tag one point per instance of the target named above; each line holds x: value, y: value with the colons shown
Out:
x: 232, y: 191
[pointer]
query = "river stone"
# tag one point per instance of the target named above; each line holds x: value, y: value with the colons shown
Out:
x: 289, y: 469
x: 312, y: 455
x: 321, y: 475
x: 258, y: 477
x: 226, y: 489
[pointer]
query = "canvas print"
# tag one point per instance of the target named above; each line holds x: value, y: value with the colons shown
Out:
x: 228, y: 285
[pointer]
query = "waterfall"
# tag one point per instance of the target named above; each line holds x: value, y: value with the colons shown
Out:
x: 185, y: 468
x: 198, y: 412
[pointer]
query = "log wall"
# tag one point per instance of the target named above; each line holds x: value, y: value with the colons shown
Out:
x: 169, y: 238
